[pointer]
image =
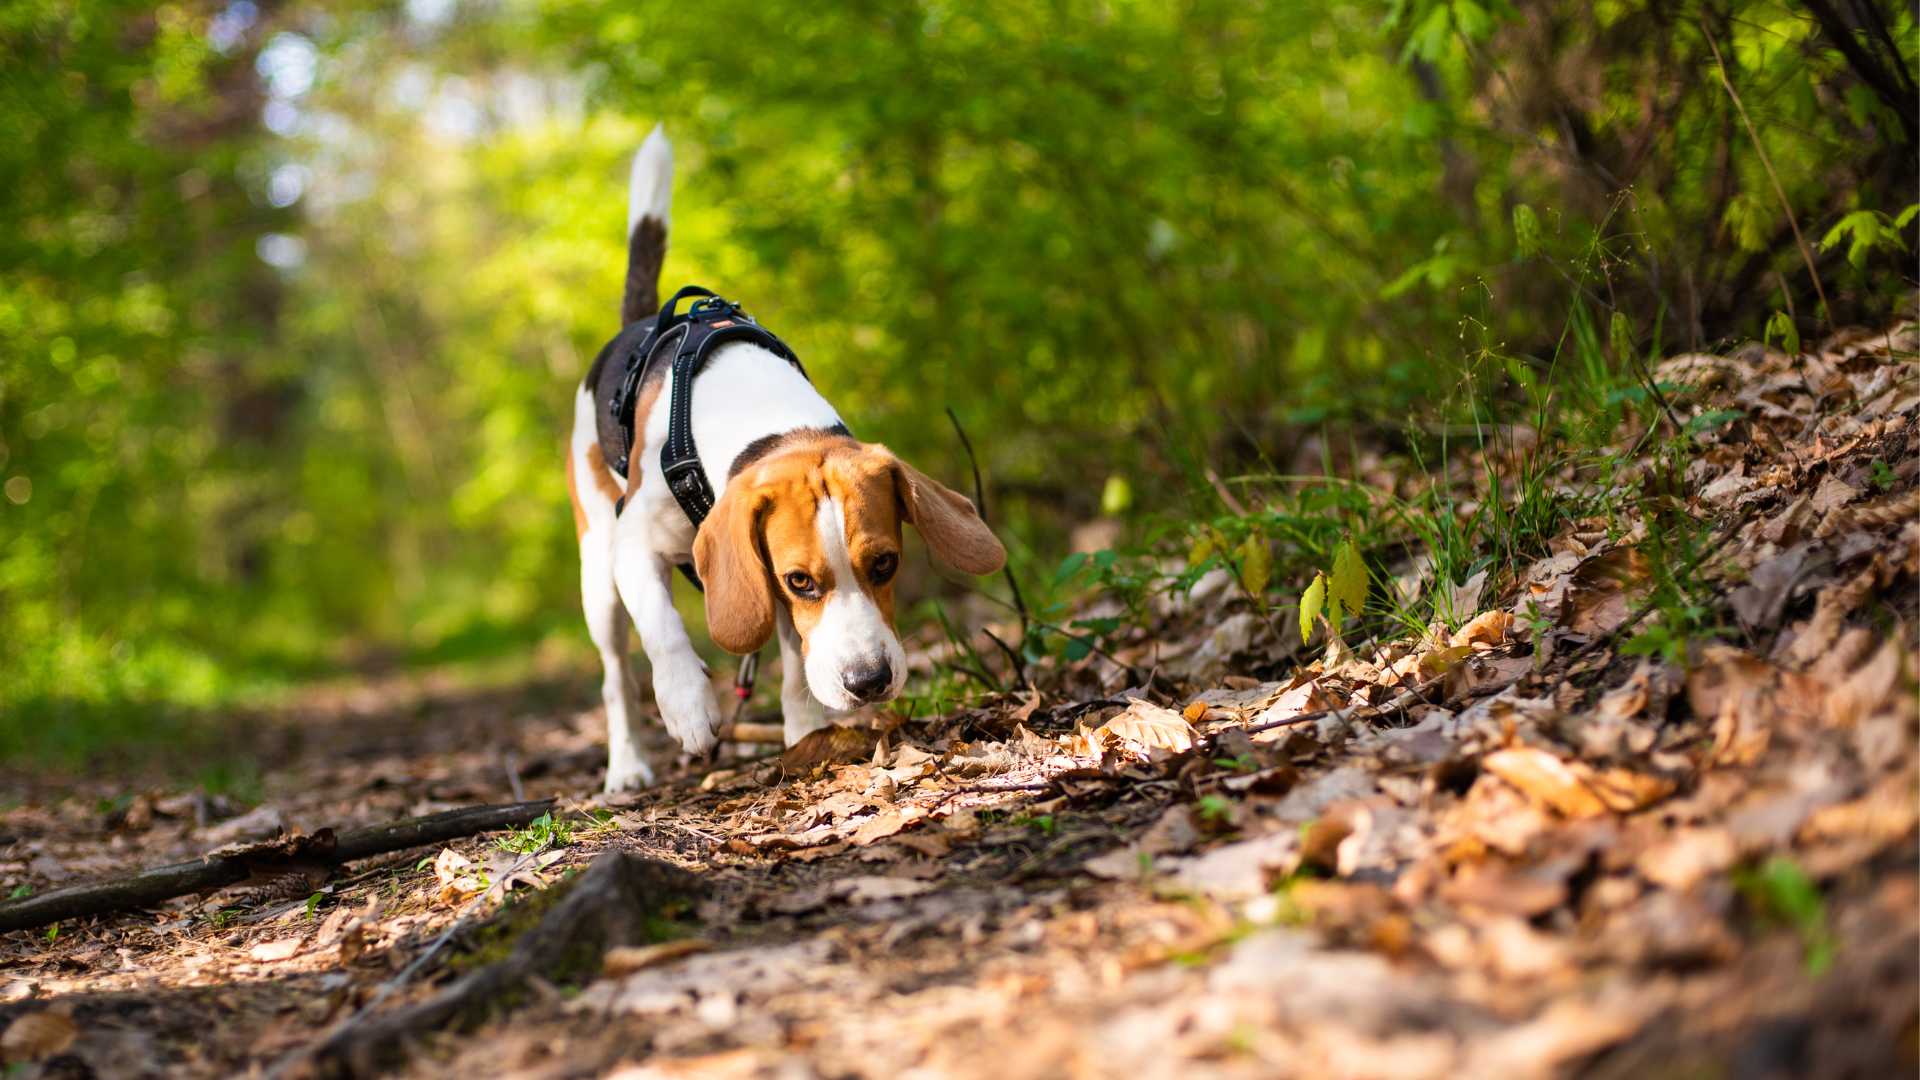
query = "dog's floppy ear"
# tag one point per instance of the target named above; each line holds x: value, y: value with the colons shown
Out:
x: 727, y: 556
x: 948, y: 521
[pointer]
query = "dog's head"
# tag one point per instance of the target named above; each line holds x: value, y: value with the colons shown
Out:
x: 814, y: 529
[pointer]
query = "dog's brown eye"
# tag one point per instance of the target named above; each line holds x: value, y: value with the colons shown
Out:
x: 801, y: 583
x: 883, y: 567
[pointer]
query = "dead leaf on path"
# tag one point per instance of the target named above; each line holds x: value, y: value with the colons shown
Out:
x: 1565, y: 1031
x: 1761, y: 601
x: 1866, y: 689
x: 1688, y: 856
x: 1027, y: 708
x: 1437, y: 663
x: 268, y: 952
x: 1886, y: 815
x: 37, y: 1035
x: 1147, y: 725
x: 459, y: 878
x: 931, y: 844
x: 1171, y: 834
x: 1572, y: 788
x: 828, y: 746
x: 1488, y: 628
x: 1726, y: 672
x: 1124, y: 863
x: 1482, y: 674
x: 1465, y: 598
x: 1237, y: 871
x: 1504, y: 889
x: 885, y: 824
x: 1601, y: 590
x: 1832, y: 494
x: 1814, y: 638
x: 627, y: 959
x: 1623, y: 790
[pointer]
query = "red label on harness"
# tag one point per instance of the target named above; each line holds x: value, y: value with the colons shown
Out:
x: 723, y: 322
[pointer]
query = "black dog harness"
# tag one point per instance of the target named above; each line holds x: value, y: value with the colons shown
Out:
x: 710, y: 323
x: 705, y: 326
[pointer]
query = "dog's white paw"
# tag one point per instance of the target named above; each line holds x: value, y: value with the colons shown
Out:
x: 688, y: 708
x: 628, y: 772
x: 801, y: 717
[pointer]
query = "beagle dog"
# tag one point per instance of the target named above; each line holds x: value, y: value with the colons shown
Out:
x: 803, y: 542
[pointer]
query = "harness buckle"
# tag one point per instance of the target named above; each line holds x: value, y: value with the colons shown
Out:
x: 681, y: 475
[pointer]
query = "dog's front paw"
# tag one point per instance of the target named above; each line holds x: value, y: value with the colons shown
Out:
x: 801, y: 716
x: 689, y: 710
x: 628, y: 773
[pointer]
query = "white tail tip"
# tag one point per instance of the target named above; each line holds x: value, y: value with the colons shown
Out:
x: 650, y: 191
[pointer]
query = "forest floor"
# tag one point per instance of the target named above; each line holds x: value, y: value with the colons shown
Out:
x: 1512, y: 847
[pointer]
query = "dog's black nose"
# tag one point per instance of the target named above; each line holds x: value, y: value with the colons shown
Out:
x: 868, y: 681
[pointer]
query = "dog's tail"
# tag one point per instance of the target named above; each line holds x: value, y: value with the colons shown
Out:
x: 649, y: 194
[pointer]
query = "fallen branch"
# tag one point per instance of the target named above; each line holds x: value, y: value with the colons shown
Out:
x: 746, y: 731
x: 612, y: 904
x: 228, y: 866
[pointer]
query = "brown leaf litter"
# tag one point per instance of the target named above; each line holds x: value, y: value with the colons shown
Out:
x: 1502, y: 848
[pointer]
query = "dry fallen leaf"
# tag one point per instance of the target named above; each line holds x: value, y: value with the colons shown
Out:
x: 627, y: 959
x: 1546, y: 779
x: 457, y: 875
x: 1601, y: 590
x: 37, y: 1035
x: 829, y: 745
x: 1148, y: 725
x: 269, y: 951
x: 1687, y: 856
x: 1487, y: 628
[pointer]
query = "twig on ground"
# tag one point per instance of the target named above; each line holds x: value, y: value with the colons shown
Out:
x: 231, y: 866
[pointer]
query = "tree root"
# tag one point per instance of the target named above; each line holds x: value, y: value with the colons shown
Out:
x: 611, y: 904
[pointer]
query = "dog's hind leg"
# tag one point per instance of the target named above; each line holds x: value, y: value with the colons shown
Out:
x: 595, y: 493
x: 627, y: 767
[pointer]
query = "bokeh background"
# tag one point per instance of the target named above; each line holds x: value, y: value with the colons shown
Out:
x: 293, y: 295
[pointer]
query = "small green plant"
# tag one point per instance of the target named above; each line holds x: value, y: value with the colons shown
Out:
x: 1780, y: 892
x: 543, y: 832
x: 1238, y: 763
x: 1680, y: 599
x: 1215, y: 810
x: 20, y: 892
x: 1344, y: 588
x: 1045, y: 823
x: 1780, y: 325
x: 53, y: 933
x: 1880, y: 474
x: 313, y: 903
x: 1867, y: 231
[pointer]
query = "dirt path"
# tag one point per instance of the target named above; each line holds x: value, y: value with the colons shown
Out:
x: 1507, y: 850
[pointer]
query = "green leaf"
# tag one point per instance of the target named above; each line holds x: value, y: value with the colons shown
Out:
x: 1526, y: 231
x: 1906, y: 216
x: 1202, y: 549
x: 1620, y: 336
x: 1348, y: 589
x: 1779, y: 324
x: 1069, y: 566
x: 1256, y: 564
x: 1310, y: 603
x: 1865, y: 231
x: 1076, y: 649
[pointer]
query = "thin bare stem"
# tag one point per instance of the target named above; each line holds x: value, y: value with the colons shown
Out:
x: 1806, y: 253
